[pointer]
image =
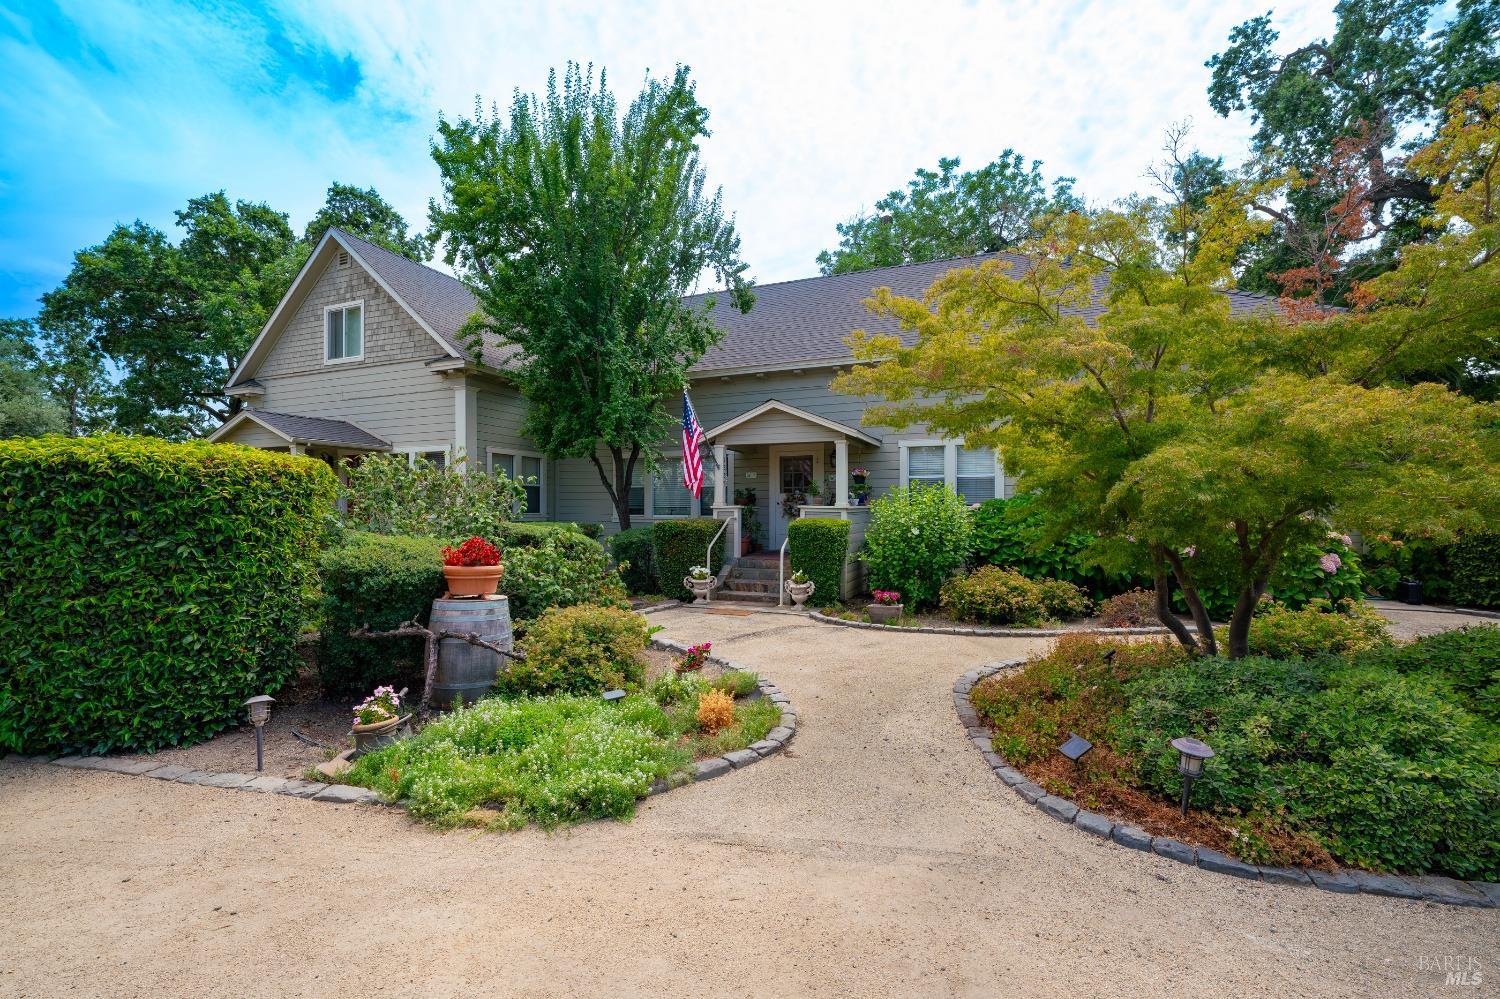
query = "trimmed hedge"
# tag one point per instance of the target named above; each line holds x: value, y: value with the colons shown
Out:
x: 818, y: 546
x: 633, y: 549
x: 562, y: 569
x: 530, y: 533
x: 678, y: 545
x: 1009, y: 532
x: 380, y: 580
x: 1475, y: 564
x: 147, y: 588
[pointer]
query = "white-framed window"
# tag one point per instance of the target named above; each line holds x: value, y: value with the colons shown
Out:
x: 344, y: 332
x: 528, y: 470
x: 976, y: 474
x: 663, y: 495
x: 434, y: 456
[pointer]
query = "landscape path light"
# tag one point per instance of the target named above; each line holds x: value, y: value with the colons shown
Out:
x: 1190, y: 756
x: 260, y: 713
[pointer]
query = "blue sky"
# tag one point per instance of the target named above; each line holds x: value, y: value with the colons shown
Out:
x: 113, y: 110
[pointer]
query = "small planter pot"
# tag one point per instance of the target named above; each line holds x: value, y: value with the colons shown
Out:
x: 884, y: 613
x: 700, y: 588
x: 472, y: 580
x: 378, y: 735
x: 799, y: 592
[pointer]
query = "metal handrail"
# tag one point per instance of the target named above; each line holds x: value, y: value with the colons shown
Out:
x: 780, y: 574
x: 708, y: 559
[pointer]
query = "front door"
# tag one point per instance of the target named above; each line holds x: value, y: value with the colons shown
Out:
x: 794, y: 470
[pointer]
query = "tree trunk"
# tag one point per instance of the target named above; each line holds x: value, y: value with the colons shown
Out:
x: 623, y: 469
x: 1163, y: 586
x: 1207, y: 643
x: 1244, y: 611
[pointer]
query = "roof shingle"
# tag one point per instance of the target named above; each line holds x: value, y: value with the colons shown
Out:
x: 319, y: 429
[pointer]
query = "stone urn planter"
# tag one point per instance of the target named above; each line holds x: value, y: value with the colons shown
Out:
x: 883, y: 613
x: 378, y: 735
x: 700, y: 588
x: 799, y: 592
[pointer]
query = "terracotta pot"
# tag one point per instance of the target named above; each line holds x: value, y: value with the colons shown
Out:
x: 799, y: 592
x: 472, y: 580
x: 378, y: 735
x: 883, y: 613
x: 700, y: 588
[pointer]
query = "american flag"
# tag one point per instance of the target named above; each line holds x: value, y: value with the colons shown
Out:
x: 692, y: 457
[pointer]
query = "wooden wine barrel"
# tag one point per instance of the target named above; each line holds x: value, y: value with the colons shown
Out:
x: 467, y: 671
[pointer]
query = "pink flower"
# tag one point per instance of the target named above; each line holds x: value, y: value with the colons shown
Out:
x: 1330, y: 563
x: 1189, y: 551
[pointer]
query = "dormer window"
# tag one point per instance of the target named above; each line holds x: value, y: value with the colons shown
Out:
x: 345, y: 332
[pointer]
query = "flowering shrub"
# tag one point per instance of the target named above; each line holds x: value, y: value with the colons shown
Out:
x: 887, y: 598
x: 799, y: 577
x: 715, y: 710
x: 581, y: 650
x: 693, y: 659
x: 383, y: 705
x: 474, y: 552
x: 993, y: 595
x: 918, y: 537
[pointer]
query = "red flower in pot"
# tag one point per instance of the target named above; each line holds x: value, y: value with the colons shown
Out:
x: 472, y: 569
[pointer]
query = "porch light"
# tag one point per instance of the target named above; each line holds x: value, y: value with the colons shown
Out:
x: 1190, y: 756
x: 260, y: 713
x: 1076, y: 748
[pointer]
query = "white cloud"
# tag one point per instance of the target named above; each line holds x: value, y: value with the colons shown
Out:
x: 819, y: 109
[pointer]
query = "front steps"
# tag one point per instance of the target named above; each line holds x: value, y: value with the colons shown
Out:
x: 752, y: 579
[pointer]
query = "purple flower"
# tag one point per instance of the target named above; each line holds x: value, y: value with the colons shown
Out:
x: 1330, y: 563
x: 1189, y: 551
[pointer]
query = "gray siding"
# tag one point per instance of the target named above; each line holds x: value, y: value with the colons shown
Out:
x: 581, y: 497
x: 255, y: 435
x: 502, y: 410
x: 390, y: 392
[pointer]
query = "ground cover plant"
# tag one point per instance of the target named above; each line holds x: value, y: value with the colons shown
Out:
x: 563, y: 758
x: 1325, y: 760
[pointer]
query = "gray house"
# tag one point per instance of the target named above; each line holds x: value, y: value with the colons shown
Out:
x: 363, y: 354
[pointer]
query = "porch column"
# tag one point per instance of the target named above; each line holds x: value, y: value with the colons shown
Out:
x: 721, y: 453
x: 466, y: 426
x: 841, y: 472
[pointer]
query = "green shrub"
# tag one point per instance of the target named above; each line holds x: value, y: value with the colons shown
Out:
x: 737, y: 683
x: 632, y: 550
x: 819, y: 547
x: 678, y: 545
x: 1467, y: 659
x: 558, y: 569
x: 584, y: 649
x: 388, y: 494
x: 1299, y: 578
x: 917, y: 537
x: 376, y: 580
x: 992, y: 595
x: 1317, y: 629
x: 595, y: 531
x: 1011, y: 533
x: 530, y: 533
x: 148, y: 588
x: 1389, y: 559
x: 1475, y: 564
x: 1062, y: 600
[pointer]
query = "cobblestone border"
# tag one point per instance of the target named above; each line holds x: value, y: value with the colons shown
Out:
x: 715, y: 766
x: 989, y: 632
x: 1428, y: 888
x: 348, y: 794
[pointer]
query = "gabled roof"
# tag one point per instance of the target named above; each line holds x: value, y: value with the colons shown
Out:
x: 776, y: 405
x: 805, y: 322
x: 305, y: 429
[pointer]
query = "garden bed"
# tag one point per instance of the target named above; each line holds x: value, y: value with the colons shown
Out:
x: 855, y: 615
x: 1382, y: 760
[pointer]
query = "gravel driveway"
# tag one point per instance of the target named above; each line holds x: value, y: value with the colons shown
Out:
x: 878, y: 858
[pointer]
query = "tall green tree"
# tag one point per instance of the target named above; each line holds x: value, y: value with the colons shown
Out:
x: 580, y: 231
x: 1180, y: 433
x: 1335, y: 117
x: 26, y: 410
x: 364, y: 213
x: 951, y: 213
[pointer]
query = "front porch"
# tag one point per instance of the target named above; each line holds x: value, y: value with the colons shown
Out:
x: 777, y: 463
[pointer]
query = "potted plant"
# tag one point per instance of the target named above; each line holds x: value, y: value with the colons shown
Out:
x: 887, y: 606
x: 472, y: 569
x: 813, y: 492
x: 800, y: 587
x: 860, y: 476
x: 378, y: 722
x: 701, y: 581
x: 694, y: 658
